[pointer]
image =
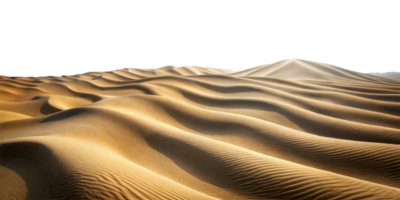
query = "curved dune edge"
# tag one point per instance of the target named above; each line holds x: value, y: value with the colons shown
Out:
x: 294, y: 129
x: 10, y: 116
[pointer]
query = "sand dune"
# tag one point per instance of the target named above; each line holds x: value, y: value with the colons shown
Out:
x: 391, y: 75
x: 294, y: 129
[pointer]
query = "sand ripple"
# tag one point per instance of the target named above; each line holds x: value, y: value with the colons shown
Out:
x: 294, y: 129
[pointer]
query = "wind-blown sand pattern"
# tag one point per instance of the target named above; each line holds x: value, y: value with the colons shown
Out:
x: 294, y: 129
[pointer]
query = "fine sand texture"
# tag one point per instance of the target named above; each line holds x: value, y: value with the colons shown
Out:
x: 294, y: 129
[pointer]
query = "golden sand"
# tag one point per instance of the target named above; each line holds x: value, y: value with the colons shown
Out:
x: 294, y: 129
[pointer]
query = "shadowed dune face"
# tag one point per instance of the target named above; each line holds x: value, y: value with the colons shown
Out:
x: 294, y: 129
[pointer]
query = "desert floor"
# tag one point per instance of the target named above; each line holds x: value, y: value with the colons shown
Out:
x: 294, y: 129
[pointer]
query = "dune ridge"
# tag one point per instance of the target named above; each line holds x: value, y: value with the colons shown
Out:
x: 294, y: 129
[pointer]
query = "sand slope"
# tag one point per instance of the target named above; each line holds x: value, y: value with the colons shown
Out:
x: 294, y: 129
x: 391, y: 75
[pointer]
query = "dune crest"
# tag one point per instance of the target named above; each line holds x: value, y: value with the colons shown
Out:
x: 294, y: 129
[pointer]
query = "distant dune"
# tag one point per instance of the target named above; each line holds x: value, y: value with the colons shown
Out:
x: 294, y: 129
x: 392, y: 75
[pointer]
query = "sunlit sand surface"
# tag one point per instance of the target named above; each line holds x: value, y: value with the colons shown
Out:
x: 294, y: 129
